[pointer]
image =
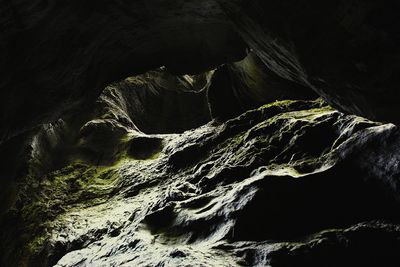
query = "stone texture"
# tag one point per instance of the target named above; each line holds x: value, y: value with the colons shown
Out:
x: 260, y: 189
x: 128, y: 174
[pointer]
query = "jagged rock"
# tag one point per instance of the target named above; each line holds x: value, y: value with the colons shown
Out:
x: 57, y: 56
x: 115, y: 180
x: 347, y: 51
x: 260, y: 189
x: 95, y: 140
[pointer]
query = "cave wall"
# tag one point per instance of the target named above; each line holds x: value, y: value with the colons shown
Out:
x: 347, y: 51
x: 58, y: 55
x: 97, y: 136
x: 117, y: 182
x: 160, y: 102
x: 248, y: 84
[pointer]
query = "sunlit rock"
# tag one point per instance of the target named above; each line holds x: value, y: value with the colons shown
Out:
x: 259, y: 189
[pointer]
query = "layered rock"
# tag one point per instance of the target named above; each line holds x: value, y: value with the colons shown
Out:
x: 292, y: 181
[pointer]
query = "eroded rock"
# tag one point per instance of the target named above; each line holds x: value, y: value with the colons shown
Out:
x: 256, y: 190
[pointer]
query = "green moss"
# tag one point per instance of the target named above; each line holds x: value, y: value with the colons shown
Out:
x: 237, y: 140
x: 77, y: 185
x: 82, y: 184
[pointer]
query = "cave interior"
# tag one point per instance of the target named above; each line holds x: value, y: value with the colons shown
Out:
x: 200, y: 133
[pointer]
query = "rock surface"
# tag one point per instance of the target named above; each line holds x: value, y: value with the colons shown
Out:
x: 248, y: 84
x: 58, y: 56
x: 157, y: 101
x: 136, y: 174
x: 262, y: 189
x: 347, y: 51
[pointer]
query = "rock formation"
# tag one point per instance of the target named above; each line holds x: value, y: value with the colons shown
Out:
x: 58, y: 56
x: 259, y: 189
x: 247, y: 84
x: 347, y: 51
x: 191, y: 133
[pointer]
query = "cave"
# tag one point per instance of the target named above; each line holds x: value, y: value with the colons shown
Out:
x: 199, y: 133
